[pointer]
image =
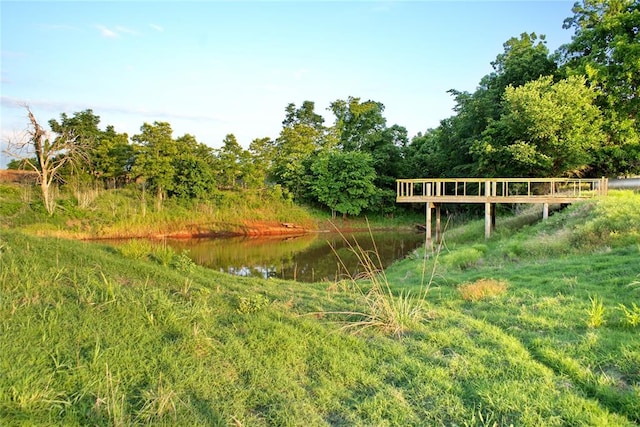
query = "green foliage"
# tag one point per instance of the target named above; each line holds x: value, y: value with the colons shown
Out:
x: 136, y: 249
x: 252, y: 304
x: 183, y: 262
x: 343, y: 181
x: 596, y: 313
x: 462, y: 258
x: 631, y: 315
x: 604, y: 48
x: 547, y: 129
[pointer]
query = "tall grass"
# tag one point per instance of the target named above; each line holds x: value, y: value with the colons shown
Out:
x: 382, y: 309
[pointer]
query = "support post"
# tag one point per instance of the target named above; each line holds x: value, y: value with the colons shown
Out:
x: 545, y: 211
x: 487, y: 220
x: 428, y: 226
x: 438, y: 230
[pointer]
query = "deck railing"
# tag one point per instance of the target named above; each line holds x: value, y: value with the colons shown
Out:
x: 498, y: 190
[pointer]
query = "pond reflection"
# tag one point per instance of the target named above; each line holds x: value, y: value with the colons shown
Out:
x: 311, y: 257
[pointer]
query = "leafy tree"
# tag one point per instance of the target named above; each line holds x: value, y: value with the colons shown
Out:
x: 194, y: 175
x: 524, y: 59
x: 303, y: 134
x: 343, y: 180
x: 156, y: 151
x: 229, y: 162
x: 112, y: 158
x: 547, y: 129
x: 357, y: 123
x: 606, y: 48
x: 258, y: 162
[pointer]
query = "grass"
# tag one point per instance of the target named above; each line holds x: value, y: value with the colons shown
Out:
x: 90, y: 336
x: 92, y: 213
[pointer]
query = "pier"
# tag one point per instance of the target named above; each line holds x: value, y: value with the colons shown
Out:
x: 490, y: 191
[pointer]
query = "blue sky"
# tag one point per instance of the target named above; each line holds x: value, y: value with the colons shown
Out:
x: 211, y: 68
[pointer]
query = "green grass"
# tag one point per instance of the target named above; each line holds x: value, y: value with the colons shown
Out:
x: 124, y: 213
x: 91, y: 335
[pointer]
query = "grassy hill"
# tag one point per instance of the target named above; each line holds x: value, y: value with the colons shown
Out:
x: 539, y: 325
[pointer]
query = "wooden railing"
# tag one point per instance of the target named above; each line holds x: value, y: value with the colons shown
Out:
x: 498, y: 190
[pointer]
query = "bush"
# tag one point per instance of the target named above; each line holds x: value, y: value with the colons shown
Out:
x: 462, y: 258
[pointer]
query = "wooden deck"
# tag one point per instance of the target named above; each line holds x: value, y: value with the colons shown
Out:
x: 545, y: 191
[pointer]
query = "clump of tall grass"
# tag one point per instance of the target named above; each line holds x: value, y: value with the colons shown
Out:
x: 382, y: 309
x: 463, y: 258
x: 595, y: 313
x: 482, y: 289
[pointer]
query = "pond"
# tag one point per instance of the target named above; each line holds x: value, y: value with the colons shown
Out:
x: 311, y: 257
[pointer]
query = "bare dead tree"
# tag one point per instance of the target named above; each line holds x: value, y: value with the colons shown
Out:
x: 51, y: 154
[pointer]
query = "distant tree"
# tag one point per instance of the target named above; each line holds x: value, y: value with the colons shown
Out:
x: 112, y: 157
x: 343, y: 181
x: 229, y: 158
x: 83, y: 128
x: 155, y: 152
x: 193, y: 170
x: 547, y: 129
x: 302, y: 136
x: 357, y: 123
x: 259, y: 162
x: 52, y: 152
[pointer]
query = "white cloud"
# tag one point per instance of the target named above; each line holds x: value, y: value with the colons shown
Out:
x: 106, y: 32
x: 156, y: 27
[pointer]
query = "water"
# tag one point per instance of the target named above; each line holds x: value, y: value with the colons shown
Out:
x: 312, y: 257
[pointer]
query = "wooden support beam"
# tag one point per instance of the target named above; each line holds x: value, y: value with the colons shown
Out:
x: 438, y: 229
x: 487, y: 220
x: 428, y: 227
x: 545, y: 210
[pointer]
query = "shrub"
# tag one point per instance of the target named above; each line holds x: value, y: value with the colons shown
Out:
x: 463, y: 258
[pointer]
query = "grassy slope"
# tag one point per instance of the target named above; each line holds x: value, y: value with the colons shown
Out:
x: 89, y: 336
x: 123, y: 213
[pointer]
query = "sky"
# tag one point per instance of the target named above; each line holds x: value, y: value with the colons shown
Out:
x: 212, y: 68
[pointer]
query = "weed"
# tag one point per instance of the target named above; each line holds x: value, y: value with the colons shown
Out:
x: 159, y: 402
x: 182, y: 262
x: 252, y: 304
x: 163, y: 255
x: 631, y: 315
x: 136, y: 249
x: 482, y: 289
x: 596, y: 313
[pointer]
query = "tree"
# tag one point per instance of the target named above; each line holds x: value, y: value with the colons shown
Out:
x: 193, y: 170
x: 606, y: 49
x: 302, y: 136
x: 343, y: 181
x: 156, y: 151
x: 229, y: 157
x: 523, y: 59
x: 547, y: 129
x: 357, y: 123
x: 51, y: 154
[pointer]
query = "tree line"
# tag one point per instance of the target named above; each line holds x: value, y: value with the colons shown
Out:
x: 572, y: 112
